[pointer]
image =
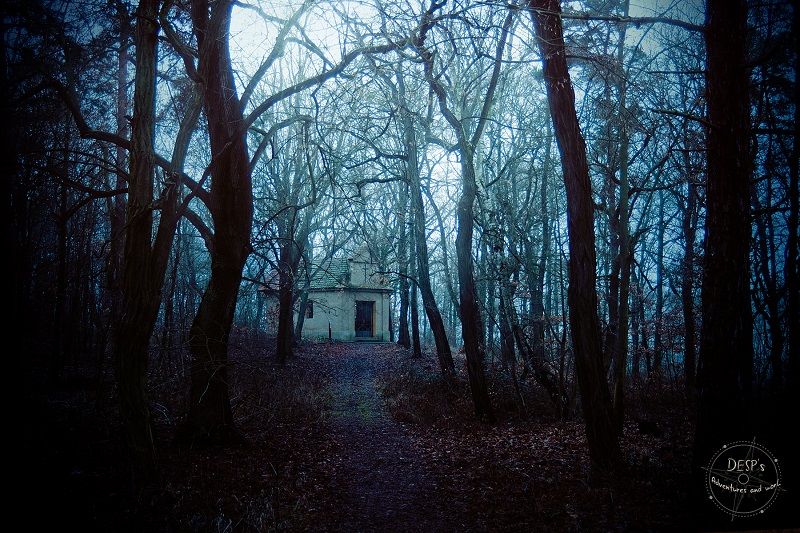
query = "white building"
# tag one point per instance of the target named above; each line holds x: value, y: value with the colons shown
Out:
x: 348, y: 300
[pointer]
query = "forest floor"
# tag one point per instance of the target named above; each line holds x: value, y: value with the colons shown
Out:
x: 350, y: 437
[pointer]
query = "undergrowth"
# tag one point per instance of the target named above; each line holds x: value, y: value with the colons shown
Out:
x: 414, y: 392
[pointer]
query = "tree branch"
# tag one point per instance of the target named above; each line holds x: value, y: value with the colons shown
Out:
x: 636, y: 21
x: 689, y: 116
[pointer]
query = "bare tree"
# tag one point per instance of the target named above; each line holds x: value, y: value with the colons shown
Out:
x: 140, y: 283
x: 724, y: 375
x: 403, y: 338
x: 793, y: 245
x: 147, y: 245
x: 419, y: 235
x: 584, y: 321
x: 231, y: 202
x: 471, y: 322
x: 231, y: 206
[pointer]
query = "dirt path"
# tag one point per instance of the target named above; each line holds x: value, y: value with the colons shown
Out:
x: 379, y: 480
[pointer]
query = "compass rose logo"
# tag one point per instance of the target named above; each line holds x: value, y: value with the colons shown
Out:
x: 743, y: 479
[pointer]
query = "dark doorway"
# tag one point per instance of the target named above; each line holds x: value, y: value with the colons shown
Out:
x: 364, y: 313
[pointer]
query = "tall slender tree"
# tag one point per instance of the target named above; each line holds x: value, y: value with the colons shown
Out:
x: 471, y: 322
x: 403, y: 338
x: 419, y: 235
x: 582, y: 297
x: 625, y: 248
x: 230, y: 202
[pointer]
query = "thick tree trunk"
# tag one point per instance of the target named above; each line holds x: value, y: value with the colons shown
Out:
x: 231, y: 204
x: 210, y: 417
x: 726, y: 340
x: 582, y: 297
x: 140, y: 285
x: 726, y: 353
x: 145, y: 259
x: 726, y: 345
x: 287, y: 269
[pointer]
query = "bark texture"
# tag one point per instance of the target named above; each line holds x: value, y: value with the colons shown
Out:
x: 210, y: 416
x: 582, y: 297
x: 140, y: 285
x: 419, y: 234
x: 726, y: 338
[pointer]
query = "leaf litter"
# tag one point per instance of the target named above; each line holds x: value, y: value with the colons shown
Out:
x: 362, y: 437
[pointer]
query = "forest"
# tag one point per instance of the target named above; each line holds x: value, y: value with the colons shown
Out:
x: 586, y: 211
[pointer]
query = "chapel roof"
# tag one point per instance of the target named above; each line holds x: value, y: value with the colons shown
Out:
x: 335, y: 273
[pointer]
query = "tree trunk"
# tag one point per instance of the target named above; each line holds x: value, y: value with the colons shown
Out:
x: 444, y: 242
x: 505, y: 304
x: 415, y: 341
x: 56, y: 361
x: 302, y: 308
x: 486, y: 285
x: 472, y: 329
x: 210, y: 415
x: 636, y: 323
x: 792, y: 246
x: 625, y: 251
x: 145, y: 252
x: 402, y: 267
x: 764, y: 265
x: 287, y: 272
x: 687, y: 288
x: 537, y: 290
x: 532, y: 355
x: 415, y: 338
x: 613, y: 264
x: 443, y: 352
x: 140, y: 285
x: 167, y: 341
x: 726, y: 344
x: 582, y: 297
x: 471, y: 322
x: 117, y: 204
x: 658, y: 327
